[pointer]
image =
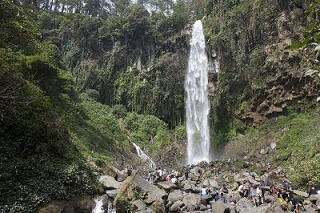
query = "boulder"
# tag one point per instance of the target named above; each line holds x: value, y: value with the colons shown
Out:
x: 269, y: 199
x: 315, y: 199
x: 112, y: 193
x: 176, y: 207
x: 51, y: 208
x: 154, y: 193
x: 147, y: 210
x: 83, y: 205
x: 243, y: 204
x: 273, y: 145
x: 309, y: 209
x: 219, y: 207
x: 263, y: 151
x: 192, y: 201
x: 301, y: 193
x: 109, y: 182
x: 138, y: 205
x: 205, y: 199
x: 213, y: 183
x: 166, y: 185
x: 175, y: 196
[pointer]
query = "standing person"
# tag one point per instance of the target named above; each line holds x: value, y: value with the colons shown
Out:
x: 259, y: 195
x: 149, y: 176
x: 204, y: 191
x: 215, y: 171
x: 187, y: 173
x: 241, y: 190
x: 312, y: 191
x: 253, y: 195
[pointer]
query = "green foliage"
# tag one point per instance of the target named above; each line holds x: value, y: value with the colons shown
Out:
x: 297, y: 137
x: 17, y: 30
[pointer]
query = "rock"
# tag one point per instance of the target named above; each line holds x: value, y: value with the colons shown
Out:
x: 112, y: 193
x: 154, y: 193
x: 176, y: 207
x: 309, y: 209
x: 315, y: 199
x: 109, y: 182
x: 273, y: 145
x: 205, y: 199
x: 138, y: 205
x: 253, y: 181
x: 192, y: 201
x: 175, y: 196
x: 213, y: 183
x: 203, y: 207
x: 51, y: 208
x: 120, y: 175
x: 147, y: 210
x: 269, y: 199
x: 219, y: 207
x: 301, y: 193
x: 243, y: 204
x: 318, y: 99
x: 263, y: 151
x: 83, y: 205
x: 166, y: 185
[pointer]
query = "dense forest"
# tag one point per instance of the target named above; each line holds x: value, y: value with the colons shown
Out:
x: 81, y: 80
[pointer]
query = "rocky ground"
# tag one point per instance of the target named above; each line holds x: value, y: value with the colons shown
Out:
x: 133, y: 193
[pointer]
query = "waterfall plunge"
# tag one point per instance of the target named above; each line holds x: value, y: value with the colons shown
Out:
x: 144, y: 156
x: 197, y: 106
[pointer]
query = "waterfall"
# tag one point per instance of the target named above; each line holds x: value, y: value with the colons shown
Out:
x: 144, y: 156
x: 99, y: 205
x: 197, y: 106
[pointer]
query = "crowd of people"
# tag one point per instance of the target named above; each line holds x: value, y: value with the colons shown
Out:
x: 255, y: 191
x: 161, y: 175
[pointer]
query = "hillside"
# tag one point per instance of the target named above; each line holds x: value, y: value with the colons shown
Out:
x: 80, y: 82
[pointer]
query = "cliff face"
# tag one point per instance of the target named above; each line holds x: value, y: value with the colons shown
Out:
x: 259, y: 78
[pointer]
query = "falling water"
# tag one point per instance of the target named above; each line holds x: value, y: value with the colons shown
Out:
x: 99, y: 205
x: 144, y: 156
x: 197, y: 107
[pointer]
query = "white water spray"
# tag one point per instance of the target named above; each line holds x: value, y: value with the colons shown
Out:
x: 197, y: 106
x: 144, y: 156
x: 99, y: 205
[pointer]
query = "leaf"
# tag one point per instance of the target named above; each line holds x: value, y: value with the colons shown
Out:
x: 298, y: 45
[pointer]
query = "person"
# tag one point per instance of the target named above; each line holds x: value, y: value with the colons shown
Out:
x: 217, y: 197
x: 169, y: 179
x: 283, y: 203
x: 285, y: 185
x: 174, y: 180
x: 241, y: 190
x: 312, y: 191
x: 253, y: 195
x: 149, y: 176
x: 259, y: 195
x: 252, y: 174
x: 160, y: 173
x: 204, y: 191
x: 215, y: 171
x: 233, y: 170
x: 225, y: 189
x: 187, y: 173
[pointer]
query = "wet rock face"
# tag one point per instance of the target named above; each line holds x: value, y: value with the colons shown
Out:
x: 82, y: 205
